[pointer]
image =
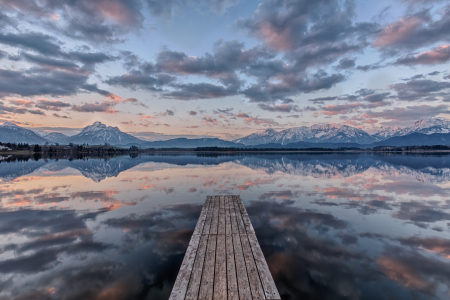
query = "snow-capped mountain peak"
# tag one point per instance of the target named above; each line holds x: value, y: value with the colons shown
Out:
x: 98, y: 133
x: 330, y: 133
x: 10, y: 125
x: 96, y: 126
x: 10, y: 132
x: 427, y: 126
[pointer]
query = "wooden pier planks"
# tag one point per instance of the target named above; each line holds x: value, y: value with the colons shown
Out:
x: 224, y: 259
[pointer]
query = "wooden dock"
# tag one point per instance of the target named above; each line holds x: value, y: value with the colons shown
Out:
x: 224, y: 259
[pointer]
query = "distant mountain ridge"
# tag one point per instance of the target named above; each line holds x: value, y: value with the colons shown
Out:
x: 431, y: 131
x: 330, y: 133
x: 10, y: 132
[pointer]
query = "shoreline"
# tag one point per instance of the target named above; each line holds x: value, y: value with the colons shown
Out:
x: 68, y: 153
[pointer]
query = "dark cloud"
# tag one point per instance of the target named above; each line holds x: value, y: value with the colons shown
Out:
x: 41, y: 43
x: 36, y: 112
x: 227, y: 58
x: 169, y: 113
x: 322, y: 100
x: 287, y: 108
x: 366, y: 68
x: 35, y: 82
x: 89, y: 58
x: 419, y: 89
x: 168, y: 8
x: 339, y: 109
x: 227, y: 61
x: 50, y: 62
x: 104, y: 107
x: 192, y: 113
x: 3, y: 54
x: 377, y: 98
x: 226, y: 111
x: 54, y: 105
x: 99, y: 21
x: 58, y: 73
x: 11, y: 109
x: 102, y: 21
x: 287, y: 25
x: 365, y: 92
x: 346, y: 63
x: 138, y: 79
x: 292, y: 84
x: 94, y: 88
x: 193, y: 91
x: 60, y: 116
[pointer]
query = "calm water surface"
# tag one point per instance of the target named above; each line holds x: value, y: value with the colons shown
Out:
x: 331, y: 226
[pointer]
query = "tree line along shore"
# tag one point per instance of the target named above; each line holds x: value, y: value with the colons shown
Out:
x: 53, y: 150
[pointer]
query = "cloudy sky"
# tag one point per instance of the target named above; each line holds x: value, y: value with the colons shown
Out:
x: 225, y: 68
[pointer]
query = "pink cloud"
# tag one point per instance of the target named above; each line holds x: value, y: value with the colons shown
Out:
x: 398, y: 31
x: 439, y: 55
x: 21, y: 102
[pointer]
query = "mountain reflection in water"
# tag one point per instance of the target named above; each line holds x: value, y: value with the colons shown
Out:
x: 331, y: 226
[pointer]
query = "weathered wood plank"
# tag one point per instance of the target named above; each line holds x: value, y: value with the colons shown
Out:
x: 207, y: 283
x: 180, y: 287
x: 227, y: 216
x: 209, y: 216
x: 221, y: 228
x: 241, y: 270
x: 269, y: 287
x: 224, y: 259
x: 220, y: 273
x: 201, y: 220
x: 247, y: 223
x: 215, y: 216
x: 196, y: 276
x: 232, y: 287
x: 181, y: 284
x: 234, y: 225
x: 239, y: 220
x: 252, y: 272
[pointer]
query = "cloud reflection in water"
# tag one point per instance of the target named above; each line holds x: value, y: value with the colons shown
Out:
x: 331, y: 226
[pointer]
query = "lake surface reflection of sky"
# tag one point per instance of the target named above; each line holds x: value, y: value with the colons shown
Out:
x: 331, y: 226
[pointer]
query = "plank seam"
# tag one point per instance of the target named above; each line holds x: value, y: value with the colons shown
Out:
x: 204, y: 257
x: 205, y: 206
x: 240, y: 214
x: 251, y: 250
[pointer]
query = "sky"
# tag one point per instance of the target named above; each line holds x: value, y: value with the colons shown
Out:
x: 222, y: 68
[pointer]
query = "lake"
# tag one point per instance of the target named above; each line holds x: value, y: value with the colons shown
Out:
x: 331, y: 226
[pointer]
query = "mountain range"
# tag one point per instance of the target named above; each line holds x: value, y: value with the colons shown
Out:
x: 423, y: 132
x: 428, y: 168
x: 343, y: 133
